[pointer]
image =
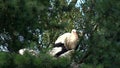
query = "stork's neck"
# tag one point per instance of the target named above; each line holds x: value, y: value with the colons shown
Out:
x: 74, y: 34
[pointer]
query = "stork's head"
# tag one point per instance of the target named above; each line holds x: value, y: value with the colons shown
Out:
x: 74, y: 31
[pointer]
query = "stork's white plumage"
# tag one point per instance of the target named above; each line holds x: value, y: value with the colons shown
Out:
x: 62, y: 38
x: 67, y: 41
x: 72, y: 40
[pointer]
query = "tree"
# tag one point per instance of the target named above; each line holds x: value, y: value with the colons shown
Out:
x: 24, y: 22
x: 102, y: 26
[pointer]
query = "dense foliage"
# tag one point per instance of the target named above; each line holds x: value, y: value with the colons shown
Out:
x: 36, y: 24
x: 104, y: 42
x: 8, y: 60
